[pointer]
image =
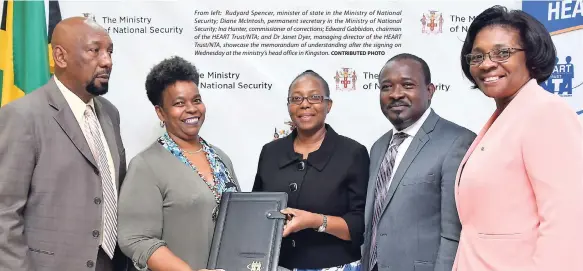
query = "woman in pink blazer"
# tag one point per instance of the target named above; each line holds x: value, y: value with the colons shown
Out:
x: 519, y: 189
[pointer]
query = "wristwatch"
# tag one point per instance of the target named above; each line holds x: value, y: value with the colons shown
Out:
x: 322, y: 228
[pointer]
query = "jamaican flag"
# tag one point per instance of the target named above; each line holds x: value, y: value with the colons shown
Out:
x: 25, y: 53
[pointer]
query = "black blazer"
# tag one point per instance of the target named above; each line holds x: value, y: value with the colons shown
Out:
x: 332, y: 181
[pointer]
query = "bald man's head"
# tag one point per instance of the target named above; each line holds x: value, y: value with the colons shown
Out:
x: 82, y: 53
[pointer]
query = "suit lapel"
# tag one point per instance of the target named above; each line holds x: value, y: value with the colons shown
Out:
x: 517, y: 104
x: 109, y: 134
x: 67, y: 121
x: 414, y: 148
x: 420, y: 139
x: 384, y: 145
x: 474, y: 145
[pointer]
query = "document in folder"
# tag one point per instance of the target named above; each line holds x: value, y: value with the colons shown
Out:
x: 248, y: 231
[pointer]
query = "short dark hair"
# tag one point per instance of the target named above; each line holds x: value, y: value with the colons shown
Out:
x: 167, y: 73
x: 535, y: 39
x: 314, y: 74
x: 424, y: 66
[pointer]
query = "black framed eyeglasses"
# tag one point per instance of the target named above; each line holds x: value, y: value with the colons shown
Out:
x: 313, y: 99
x: 497, y: 55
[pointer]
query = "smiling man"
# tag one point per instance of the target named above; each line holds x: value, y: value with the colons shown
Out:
x: 62, y: 162
x: 410, y: 216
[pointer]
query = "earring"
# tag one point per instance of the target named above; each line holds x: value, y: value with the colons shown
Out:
x: 162, y: 124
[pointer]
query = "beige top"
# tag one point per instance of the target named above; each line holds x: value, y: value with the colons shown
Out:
x: 164, y: 202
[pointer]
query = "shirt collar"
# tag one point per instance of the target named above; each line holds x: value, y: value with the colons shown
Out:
x: 319, y: 158
x: 75, y: 103
x: 414, y: 128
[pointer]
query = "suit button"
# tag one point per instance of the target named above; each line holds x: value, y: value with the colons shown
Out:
x: 97, y: 201
x: 293, y: 243
x: 293, y: 187
x: 301, y: 166
x: 95, y: 233
x: 90, y: 264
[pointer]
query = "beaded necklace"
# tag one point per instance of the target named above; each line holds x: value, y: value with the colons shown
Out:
x: 213, y: 187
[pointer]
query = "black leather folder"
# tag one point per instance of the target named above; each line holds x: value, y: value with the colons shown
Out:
x: 248, y: 231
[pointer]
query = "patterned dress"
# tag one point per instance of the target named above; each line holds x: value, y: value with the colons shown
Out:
x: 223, y: 182
x: 354, y: 266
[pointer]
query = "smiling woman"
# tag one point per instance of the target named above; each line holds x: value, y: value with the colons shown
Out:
x: 325, y: 174
x: 174, y: 185
x: 519, y: 189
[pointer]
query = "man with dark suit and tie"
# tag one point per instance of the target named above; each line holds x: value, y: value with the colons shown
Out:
x: 410, y: 215
x: 62, y: 161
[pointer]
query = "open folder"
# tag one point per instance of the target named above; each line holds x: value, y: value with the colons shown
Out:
x: 248, y: 231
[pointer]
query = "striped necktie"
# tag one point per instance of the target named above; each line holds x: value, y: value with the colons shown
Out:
x: 382, y: 189
x: 93, y: 135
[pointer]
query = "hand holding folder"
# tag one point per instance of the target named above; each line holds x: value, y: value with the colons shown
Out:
x: 248, y: 231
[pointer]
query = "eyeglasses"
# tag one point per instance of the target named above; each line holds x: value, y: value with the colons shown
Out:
x: 314, y: 99
x: 497, y: 55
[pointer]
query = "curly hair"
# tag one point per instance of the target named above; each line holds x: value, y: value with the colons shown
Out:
x: 167, y: 73
x: 536, y: 41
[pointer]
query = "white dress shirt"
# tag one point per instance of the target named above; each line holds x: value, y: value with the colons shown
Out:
x: 78, y: 107
x: 411, y: 131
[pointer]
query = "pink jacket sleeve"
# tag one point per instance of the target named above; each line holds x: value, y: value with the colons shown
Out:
x: 553, y: 157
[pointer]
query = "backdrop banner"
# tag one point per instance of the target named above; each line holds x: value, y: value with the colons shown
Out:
x: 248, y: 52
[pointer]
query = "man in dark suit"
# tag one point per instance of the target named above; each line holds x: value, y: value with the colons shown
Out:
x: 62, y: 161
x: 410, y: 216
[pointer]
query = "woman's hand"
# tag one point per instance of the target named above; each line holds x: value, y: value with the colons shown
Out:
x: 299, y: 220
